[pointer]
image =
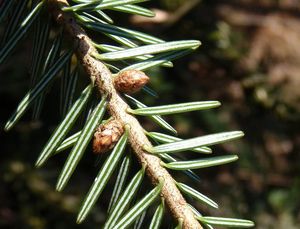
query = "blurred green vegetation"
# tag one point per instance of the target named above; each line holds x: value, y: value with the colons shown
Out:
x: 249, y: 61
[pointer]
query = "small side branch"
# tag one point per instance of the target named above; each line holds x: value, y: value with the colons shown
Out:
x: 101, y: 76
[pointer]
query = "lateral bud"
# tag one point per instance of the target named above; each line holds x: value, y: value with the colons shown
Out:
x: 130, y: 81
x: 106, y: 136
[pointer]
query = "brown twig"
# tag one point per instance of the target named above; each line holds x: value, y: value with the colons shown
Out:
x: 101, y: 76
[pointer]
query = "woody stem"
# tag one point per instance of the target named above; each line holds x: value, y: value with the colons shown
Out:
x: 102, y: 77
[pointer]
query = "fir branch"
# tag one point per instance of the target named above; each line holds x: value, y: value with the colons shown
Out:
x: 117, y: 107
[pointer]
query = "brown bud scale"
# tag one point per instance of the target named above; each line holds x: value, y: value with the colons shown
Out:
x: 106, y: 136
x: 130, y: 81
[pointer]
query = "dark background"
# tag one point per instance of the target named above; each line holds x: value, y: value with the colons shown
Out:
x: 249, y: 60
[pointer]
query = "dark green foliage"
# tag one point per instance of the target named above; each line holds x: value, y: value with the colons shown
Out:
x: 134, y: 50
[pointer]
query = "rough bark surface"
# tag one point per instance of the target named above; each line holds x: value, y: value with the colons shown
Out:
x: 101, y: 76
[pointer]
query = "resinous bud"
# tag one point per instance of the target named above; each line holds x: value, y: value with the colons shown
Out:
x: 130, y: 81
x: 106, y: 136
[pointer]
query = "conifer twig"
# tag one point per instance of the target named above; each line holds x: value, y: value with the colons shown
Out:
x: 101, y: 76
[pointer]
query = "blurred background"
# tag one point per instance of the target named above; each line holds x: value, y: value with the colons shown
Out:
x: 249, y: 60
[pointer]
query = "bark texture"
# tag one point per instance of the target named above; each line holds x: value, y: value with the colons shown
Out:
x: 102, y: 77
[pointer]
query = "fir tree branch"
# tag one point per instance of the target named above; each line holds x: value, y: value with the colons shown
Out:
x: 101, y: 76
